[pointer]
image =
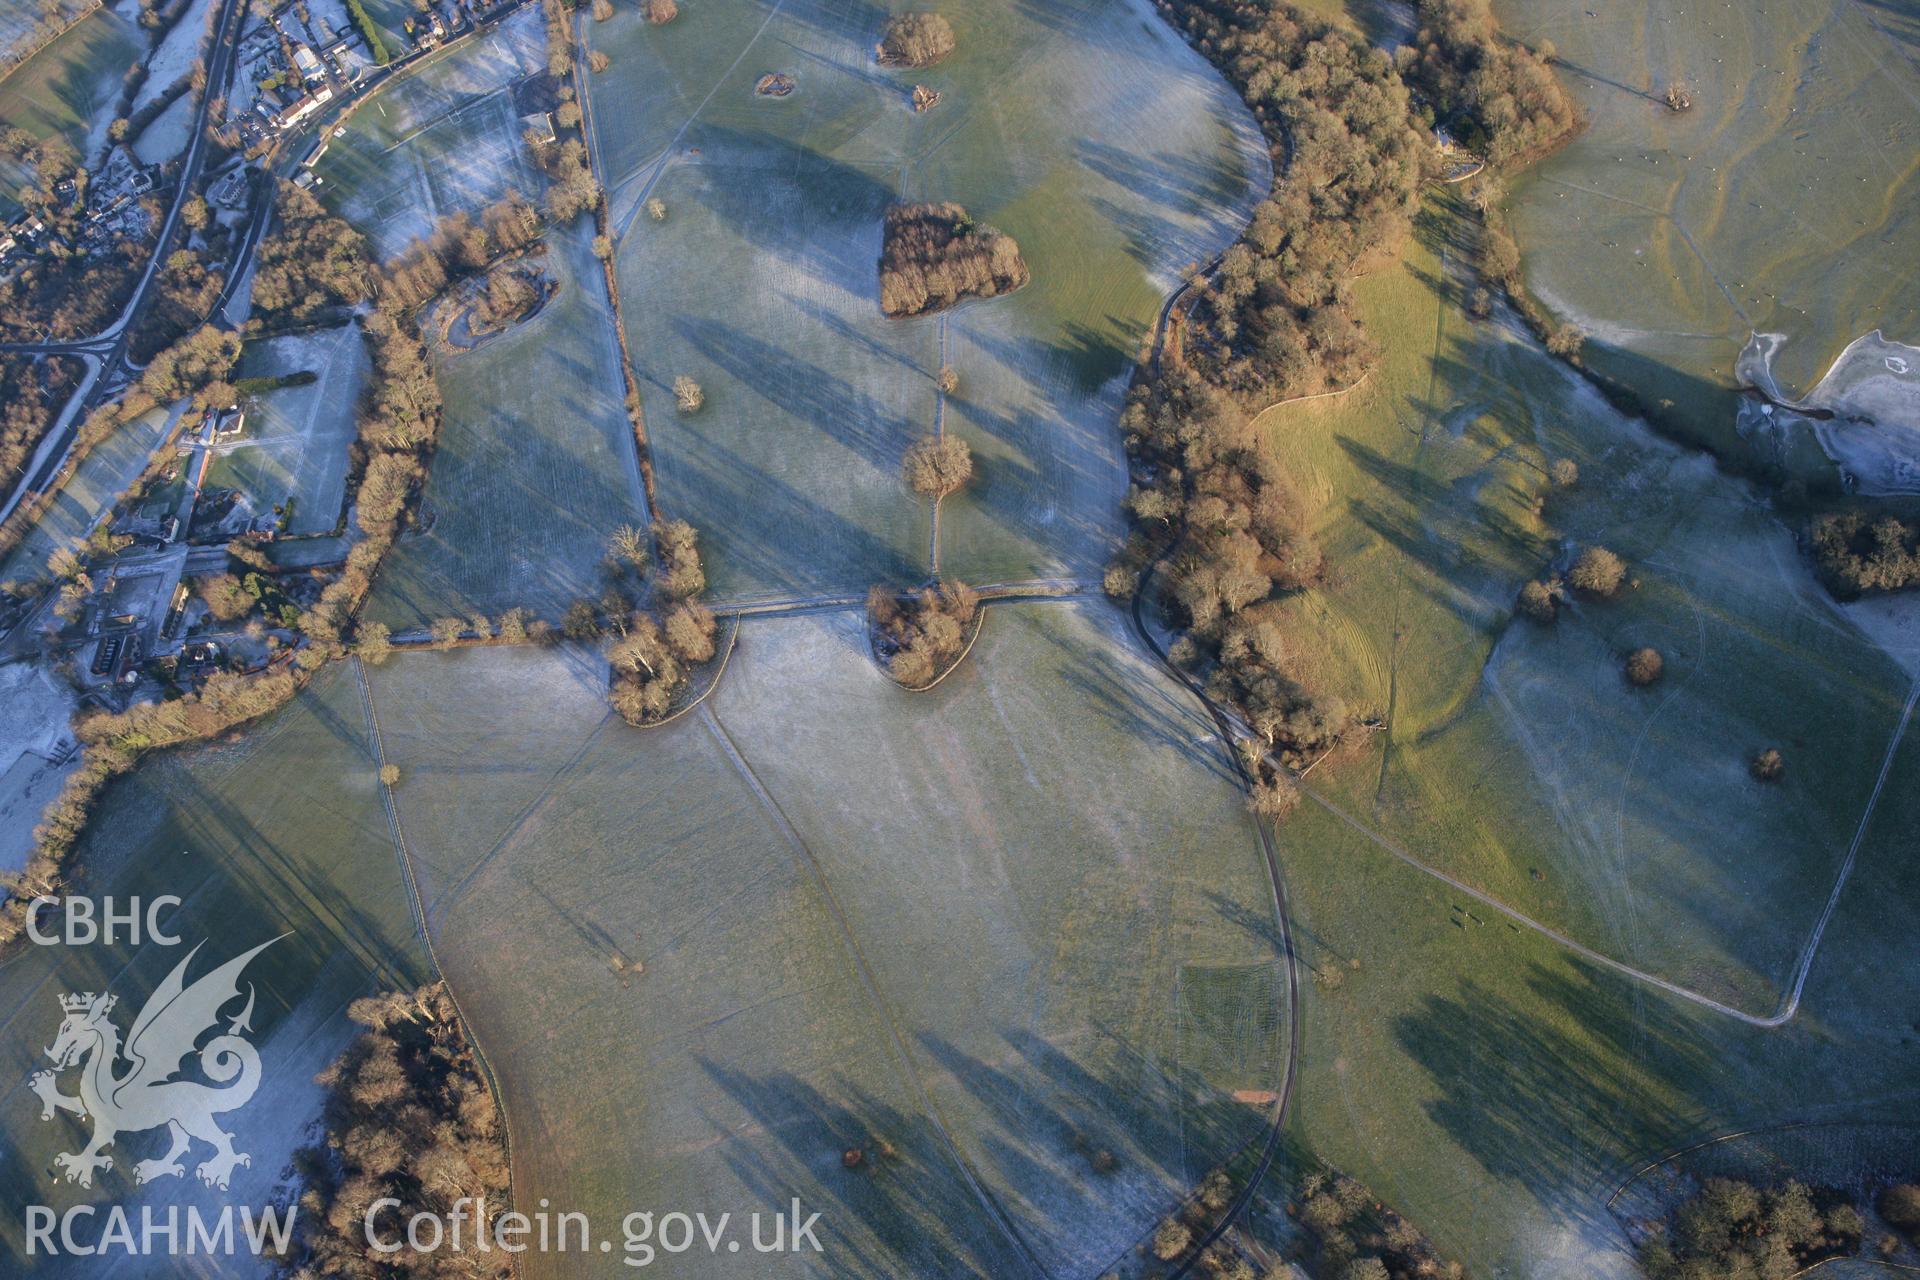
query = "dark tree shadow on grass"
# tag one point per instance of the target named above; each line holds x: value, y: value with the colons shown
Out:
x: 1587, y: 1074
x: 911, y: 1213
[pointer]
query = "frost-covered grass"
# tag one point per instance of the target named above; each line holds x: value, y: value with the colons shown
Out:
x: 661, y: 935
x: 535, y: 466
x: 107, y: 471
x: 169, y: 133
x: 1516, y: 756
x: 281, y: 832
x: 1496, y: 1090
x: 68, y: 86
x: 179, y: 48
x: 444, y: 139
x: 1780, y: 202
x: 1088, y: 132
x: 297, y: 438
x: 1483, y: 1080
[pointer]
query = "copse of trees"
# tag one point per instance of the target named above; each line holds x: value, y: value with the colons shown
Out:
x: 184, y: 291
x: 1857, y: 557
x: 408, y: 1116
x: 682, y: 576
x: 652, y: 658
x: 653, y: 651
x: 935, y: 255
x: 1355, y: 1237
x: 513, y: 291
x: 1900, y: 1206
x: 1276, y: 319
x: 1732, y: 1228
x: 919, y: 635
x: 1497, y: 96
x: 915, y: 40
x: 573, y: 189
x: 312, y: 263
x: 1204, y: 480
x: 459, y: 246
x: 31, y: 394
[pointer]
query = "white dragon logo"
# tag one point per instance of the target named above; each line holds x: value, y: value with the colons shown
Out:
x: 147, y: 1096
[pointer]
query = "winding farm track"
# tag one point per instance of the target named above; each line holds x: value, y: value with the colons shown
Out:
x: 1229, y: 726
x: 1283, y: 920
x: 418, y: 908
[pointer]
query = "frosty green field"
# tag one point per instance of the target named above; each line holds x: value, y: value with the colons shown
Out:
x: 760, y: 282
x: 535, y: 466
x: 67, y: 85
x: 1480, y: 1075
x: 992, y: 946
x: 1778, y: 203
x: 1517, y: 756
x: 106, y: 472
x: 444, y: 139
x: 295, y: 447
x: 280, y: 833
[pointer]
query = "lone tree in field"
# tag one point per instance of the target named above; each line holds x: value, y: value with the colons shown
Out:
x: 661, y: 12
x: 1900, y: 1206
x: 948, y: 380
x: 687, y: 394
x: 915, y: 40
x: 1598, y: 572
x: 374, y: 642
x: 1566, y: 473
x: 934, y: 255
x: 1537, y: 601
x: 1770, y: 766
x: 1644, y: 666
x: 937, y: 465
x: 627, y: 548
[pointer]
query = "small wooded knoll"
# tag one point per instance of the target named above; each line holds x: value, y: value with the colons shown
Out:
x: 934, y: 255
